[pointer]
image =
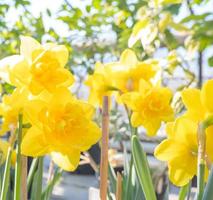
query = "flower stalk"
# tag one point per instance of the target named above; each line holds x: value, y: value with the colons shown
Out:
x: 104, y: 149
x: 201, y: 160
x: 18, y: 166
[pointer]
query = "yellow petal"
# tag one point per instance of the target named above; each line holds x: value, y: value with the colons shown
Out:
x: 136, y: 119
x: 186, y: 131
x: 28, y: 45
x: 179, y: 176
x: 192, y: 100
x: 14, y: 70
x: 207, y: 95
x: 169, y: 149
x: 152, y: 126
x: 209, y: 142
x: 60, y: 51
x: 128, y: 58
x: 144, y: 86
x: 68, y: 162
x: 170, y: 129
x: 130, y: 99
x: 34, y: 143
x: 3, y: 150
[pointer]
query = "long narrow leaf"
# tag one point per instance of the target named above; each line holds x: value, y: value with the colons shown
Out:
x: 31, y: 173
x: 142, y: 168
x: 6, y: 177
x: 112, y: 179
x: 208, y: 192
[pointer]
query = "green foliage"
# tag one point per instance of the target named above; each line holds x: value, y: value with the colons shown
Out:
x: 142, y: 169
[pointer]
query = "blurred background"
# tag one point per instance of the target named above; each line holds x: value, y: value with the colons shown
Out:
x: 178, y: 35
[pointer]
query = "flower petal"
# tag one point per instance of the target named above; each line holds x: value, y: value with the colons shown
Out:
x: 207, y: 95
x: 28, y: 45
x: 179, y: 176
x: 33, y: 143
x: 128, y: 58
x: 68, y: 162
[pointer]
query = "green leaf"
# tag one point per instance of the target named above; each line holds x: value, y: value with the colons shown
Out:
x: 6, y: 178
x: 46, y: 194
x: 210, y: 61
x: 112, y: 179
x: 208, y: 192
x: 183, y: 192
x: 32, y: 173
x: 142, y: 169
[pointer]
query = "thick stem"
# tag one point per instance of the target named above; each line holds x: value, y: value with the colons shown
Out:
x: 17, y: 190
x: 24, y: 177
x: 119, y: 187
x: 104, y: 149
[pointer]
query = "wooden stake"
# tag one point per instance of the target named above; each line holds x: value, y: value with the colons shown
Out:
x: 24, y: 177
x: 119, y: 186
x: 104, y: 149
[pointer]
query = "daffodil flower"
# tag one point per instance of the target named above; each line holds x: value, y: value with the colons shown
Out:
x: 10, y: 107
x: 38, y: 67
x: 150, y: 106
x: 127, y: 73
x: 99, y: 84
x: 61, y: 127
x: 199, y: 102
x: 180, y: 150
x: 4, y: 145
x: 119, y: 77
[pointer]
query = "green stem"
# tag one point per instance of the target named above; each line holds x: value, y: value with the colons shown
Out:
x: 183, y: 191
x: 39, y: 180
x: 6, y: 177
x: 200, y: 181
x: 17, y: 189
x: 31, y: 173
x: 201, y: 160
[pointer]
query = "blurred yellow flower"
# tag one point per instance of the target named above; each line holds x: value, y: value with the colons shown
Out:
x: 3, y: 152
x: 127, y: 73
x: 10, y: 108
x: 199, y: 102
x: 39, y: 67
x: 61, y: 127
x: 150, y: 106
x: 180, y: 150
x: 119, y: 77
x: 100, y: 84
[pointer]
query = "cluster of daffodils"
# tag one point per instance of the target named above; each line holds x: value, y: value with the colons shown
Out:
x: 180, y: 149
x: 134, y: 84
x: 54, y: 121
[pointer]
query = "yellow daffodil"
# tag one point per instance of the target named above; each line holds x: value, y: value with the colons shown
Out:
x: 199, y: 102
x: 61, y: 127
x: 38, y: 67
x: 3, y: 152
x: 99, y: 84
x: 10, y: 108
x: 180, y: 150
x: 127, y: 73
x: 121, y: 77
x: 150, y: 106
